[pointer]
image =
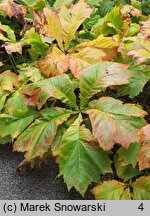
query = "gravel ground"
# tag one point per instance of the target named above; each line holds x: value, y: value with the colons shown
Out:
x: 39, y: 184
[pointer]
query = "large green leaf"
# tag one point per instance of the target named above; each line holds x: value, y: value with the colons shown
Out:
x: 97, y: 77
x: 59, y: 87
x: 81, y: 161
x: 37, y: 139
x: 141, y: 188
x: 111, y: 190
x: 115, y: 122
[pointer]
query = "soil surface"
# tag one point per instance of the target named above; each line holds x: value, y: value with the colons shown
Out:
x: 39, y: 184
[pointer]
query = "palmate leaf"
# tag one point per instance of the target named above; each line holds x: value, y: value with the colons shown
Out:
x: 59, y: 87
x: 111, y: 190
x: 97, y: 77
x: 113, y: 122
x: 37, y: 139
x: 141, y: 188
x: 72, y: 18
x: 80, y: 160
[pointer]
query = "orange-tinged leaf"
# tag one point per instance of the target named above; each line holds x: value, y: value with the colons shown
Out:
x: 145, y: 28
x: 144, y: 156
x: 12, y: 9
x: 85, y: 58
x: 53, y: 26
x: 114, y: 122
x: 36, y: 140
x: 111, y: 190
x: 59, y: 87
x: 6, y: 6
x: 49, y: 24
x: 145, y: 133
x: 72, y: 18
x: 140, y: 49
x: 54, y: 63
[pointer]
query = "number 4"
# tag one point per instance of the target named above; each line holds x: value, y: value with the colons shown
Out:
x: 141, y: 207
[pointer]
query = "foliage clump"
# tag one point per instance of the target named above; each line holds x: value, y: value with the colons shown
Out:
x: 70, y: 88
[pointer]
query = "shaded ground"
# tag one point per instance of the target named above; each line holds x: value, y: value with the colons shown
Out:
x: 39, y: 184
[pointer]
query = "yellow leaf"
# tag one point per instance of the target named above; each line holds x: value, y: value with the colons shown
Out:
x: 100, y: 42
x: 72, y: 18
x: 49, y: 24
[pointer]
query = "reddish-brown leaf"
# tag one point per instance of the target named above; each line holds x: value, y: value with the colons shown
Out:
x: 144, y: 156
x: 145, y: 133
x: 12, y: 47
